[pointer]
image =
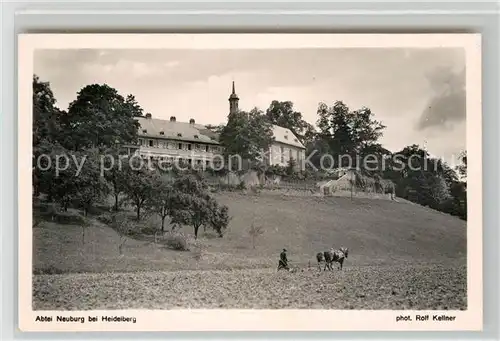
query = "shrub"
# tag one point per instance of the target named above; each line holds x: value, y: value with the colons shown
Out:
x: 105, y: 218
x: 50, y: 270
x: 69, y: 218
x: 148, y: 230
x: 177, y: 242
x: 210, y: 235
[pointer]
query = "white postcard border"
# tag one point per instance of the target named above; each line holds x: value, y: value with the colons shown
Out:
x: 254, y: 320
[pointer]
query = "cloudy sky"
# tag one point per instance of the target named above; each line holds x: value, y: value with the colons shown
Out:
x: 419, y: 94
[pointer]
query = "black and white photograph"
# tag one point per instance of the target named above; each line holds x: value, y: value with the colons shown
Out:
x: 255, y: 177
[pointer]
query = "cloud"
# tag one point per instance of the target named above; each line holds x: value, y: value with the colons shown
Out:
x: 447, y: 105
x: 196, y: 84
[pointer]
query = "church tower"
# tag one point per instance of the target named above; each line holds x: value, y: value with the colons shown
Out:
x: 233, y: 102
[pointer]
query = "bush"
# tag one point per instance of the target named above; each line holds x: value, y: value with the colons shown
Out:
x: 148, y: 230
x: 105, y: 218
x: 98, y: 209
x: 51, y: 270
x: 69, y: 218
x: 210, y: 235
x: 177, y: 242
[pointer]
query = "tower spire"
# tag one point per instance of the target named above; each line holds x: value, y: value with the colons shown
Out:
x: 233, y: 101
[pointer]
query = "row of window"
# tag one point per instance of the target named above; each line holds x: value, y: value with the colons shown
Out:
x: 171, y: 160
x: 178, y: 145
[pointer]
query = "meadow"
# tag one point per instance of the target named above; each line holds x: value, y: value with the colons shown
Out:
x: 402, y: 256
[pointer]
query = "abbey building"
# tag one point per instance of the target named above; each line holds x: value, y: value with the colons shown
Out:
x: 172, y: 141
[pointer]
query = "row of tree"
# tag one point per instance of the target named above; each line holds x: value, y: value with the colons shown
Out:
x: 348, y: 136
x: 100, y: 119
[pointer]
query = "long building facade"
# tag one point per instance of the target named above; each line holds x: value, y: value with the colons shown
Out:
x: 172, y: 141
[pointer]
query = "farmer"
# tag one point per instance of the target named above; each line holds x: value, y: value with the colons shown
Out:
x: 283, y: 263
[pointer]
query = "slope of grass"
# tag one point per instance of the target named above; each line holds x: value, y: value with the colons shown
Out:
x: 377, y: 232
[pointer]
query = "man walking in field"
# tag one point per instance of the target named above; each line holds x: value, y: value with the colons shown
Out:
x: 283, y: 263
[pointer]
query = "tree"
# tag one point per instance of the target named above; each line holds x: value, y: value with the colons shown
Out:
x: 365, y: 130
x: 255, y: 231
x: 284, y: 115
x: 162, y: 199
x: 218, y: 216
x: 462, y: 167
x: 100, y: 117
x: 46, y: 129
x: 90, y: 186
x: 115, y: 172
x: 191, y: 204
x: 123, y: 227
x: 46, y: 116
x: 347, y: 133
x: 247, y: 135
x: 440, y: 190
x: 140, y: 183
x: 56, y: 172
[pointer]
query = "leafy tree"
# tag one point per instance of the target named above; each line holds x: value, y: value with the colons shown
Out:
x: 347, y: 133
x: 55, y: 172
x: 90, y: 186
x: 46, y: 116
x: 192, y: 205
x: 218, y: 216
x: 365, y: 129
x: 101, y: 117
x: 46, y: 129
x: 246, y: 135
x: 115, y: 167
x: 140, y: 183
x: 284, y: 115
x: 427, y: 181
x: 162, y: 199
x: 462, y: 167
x: 255, y: 231
x: 440, y: 190
x: 121, y: 224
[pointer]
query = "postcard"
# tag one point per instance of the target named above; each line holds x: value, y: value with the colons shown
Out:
x: 239, y: 182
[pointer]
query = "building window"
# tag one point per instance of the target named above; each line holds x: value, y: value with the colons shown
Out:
x: 208, y: 163
x: 151, y: 142
x: 195, y: 136
x: 179, y: 135
x: 189, y: 146
x: 180, y: 145
x: 206, y: 149
x: 197, y: 146
x: 282, y: 154
x: 286, y: 137
x: 144, y: 131
x: 162, y: 133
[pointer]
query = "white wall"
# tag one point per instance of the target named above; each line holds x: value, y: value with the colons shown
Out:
x: 280, y: 154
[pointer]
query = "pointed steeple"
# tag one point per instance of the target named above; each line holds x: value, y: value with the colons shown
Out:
x: 233, y: 101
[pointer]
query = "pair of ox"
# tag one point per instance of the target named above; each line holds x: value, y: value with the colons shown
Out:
x: 332, y: 256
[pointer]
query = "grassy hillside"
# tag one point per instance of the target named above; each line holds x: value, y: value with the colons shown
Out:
x: 377, y: 232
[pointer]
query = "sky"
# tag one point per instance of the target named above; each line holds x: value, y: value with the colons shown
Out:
x: 418, y: 93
